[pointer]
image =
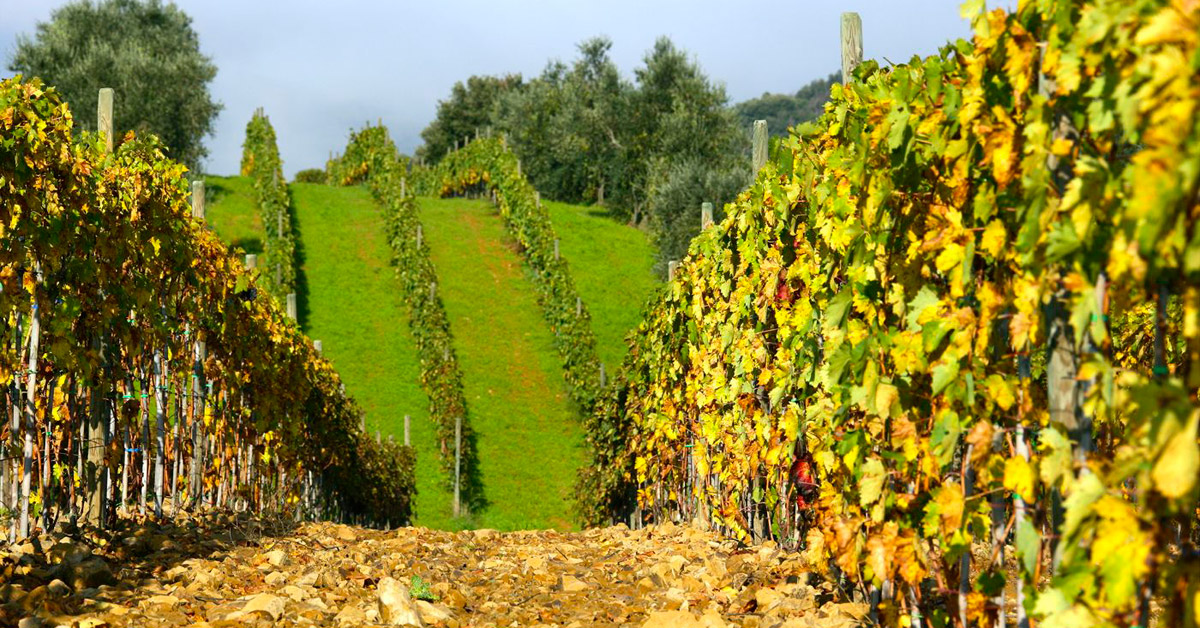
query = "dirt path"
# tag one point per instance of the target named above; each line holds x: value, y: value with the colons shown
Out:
x: 236, y: 572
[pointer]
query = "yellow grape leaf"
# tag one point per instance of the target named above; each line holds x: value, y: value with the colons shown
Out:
x: 1019, y: 477
x: 950, y: 507
x: 885, y: 396
x: 1000, y: 391
x: 1175, y: 472
x: 950, y: 257
x: 993, y: 238
x: 871, y: 485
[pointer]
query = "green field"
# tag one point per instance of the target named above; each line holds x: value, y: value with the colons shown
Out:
x: 352, y: 302
x: 230, y: 210
x: 611, y: 264
x: 530, y: 442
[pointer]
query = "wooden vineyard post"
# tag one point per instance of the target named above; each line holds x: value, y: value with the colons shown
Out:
x: 199, y: 389
x: 35, y: 331
x: 706, y: 215
x: 556, y: 255
x: 420, y: 236
x: 407, y: 427
x: 758, y: 155
x: 317, y: 346
x: 291, y: 305
x: 672, y: 268
x: 279, y: 262
x: 852, y: 45
x: 578, y: 307
x: 1064, y: 390
x: 95, y: 486
x: 457, y: 466
x: 160, y: 418
x: 251, y: 261
x: 104, y: 117
x: 603, y: 376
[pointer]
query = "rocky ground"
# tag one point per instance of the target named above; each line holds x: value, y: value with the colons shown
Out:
x: 232, y: 570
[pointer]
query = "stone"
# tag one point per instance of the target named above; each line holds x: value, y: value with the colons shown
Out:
x: 278, y: 558
x: 571, y: 584
x: 266, y: 603
x: 58, y: 588
x: 69, y: 554
x: 276, y: 578
x: 91, y: 573
x: 395, y: 605
x: 683, y: 619
x: 432, y: 613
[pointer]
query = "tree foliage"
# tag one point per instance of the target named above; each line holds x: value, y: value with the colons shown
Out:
x: 584, y: 133
x: 146, y: 51
x: 784, y: 111
x: 468, y: 111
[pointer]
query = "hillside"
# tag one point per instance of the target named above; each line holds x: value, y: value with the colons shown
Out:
x: 349, y: 300
x: 529, y: 439
x: 611, y: 264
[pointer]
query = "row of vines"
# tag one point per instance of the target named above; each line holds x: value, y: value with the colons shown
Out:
x: 488, y: 164
x: 261, y: 162
x: 139, y: 364
x: 371, y: 157
x: 866, y: 358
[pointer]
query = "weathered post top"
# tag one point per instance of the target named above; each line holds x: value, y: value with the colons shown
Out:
x: 198, y: 199
x: 852, y: 44
x: 759, y: 154
x: 104, y: 117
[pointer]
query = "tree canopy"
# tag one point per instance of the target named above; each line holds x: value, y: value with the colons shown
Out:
x: 651, y: 149
x: 146, y: 51
x: 783, y: 111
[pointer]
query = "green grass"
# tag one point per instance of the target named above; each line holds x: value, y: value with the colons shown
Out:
x: 530, y: 441
x: 355, y: 307
x: 230, y: 210
x: 611, y: 264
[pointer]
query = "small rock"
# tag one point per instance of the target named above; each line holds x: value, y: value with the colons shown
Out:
x: 432, y: 613
x: 30, y: 622
x: 58, y: 588
x: 278, y: 558
x: 276, y: 578
x: 395, y: 605
x: 69, y: 554
x: 266, y: 603
x: 90, y: 574
x: 571, y: 584
x: 162, y: 600
x: 350, y: 616
x: 683, y: 619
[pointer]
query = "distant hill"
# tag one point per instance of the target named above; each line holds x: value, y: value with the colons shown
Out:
x: 782, y: 111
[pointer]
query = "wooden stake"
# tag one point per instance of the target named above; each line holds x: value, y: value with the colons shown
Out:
x: 457, y: 466
x: 578, y: 307
x: 852, y: 45
x: 198, y: 199
x: 291, y: 305
x: 672, y: 268
x: 759, y: 153
x: 104, y: 117
x: 251, y: 261
x: 706, y: 215
x: 407, y: 425
x: 317, y: 346
x: 556, y: 256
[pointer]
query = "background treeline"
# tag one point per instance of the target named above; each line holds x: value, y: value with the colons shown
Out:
x: 650, y: 149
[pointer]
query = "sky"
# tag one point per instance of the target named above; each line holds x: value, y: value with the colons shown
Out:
x: 321, y: 69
